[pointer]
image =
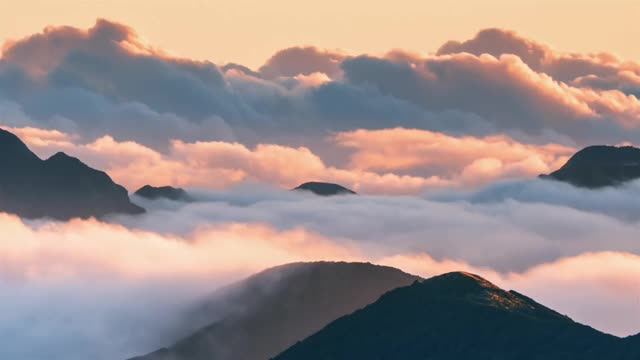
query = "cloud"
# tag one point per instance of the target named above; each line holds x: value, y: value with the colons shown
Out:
x: 564, y: 67
x: 521, y: 234
x: 40, y: 53
x: 99, y: 80
x: 469, y: 160
x: 302, y: 61
x: 109, y: 60
x: 625, y: 81
x: 617, y: 202
x: 498, y: 42
x: 112, y: 292
x: 388, y: 161
x: 71, y: 249
x: 147, y: 273
x: 106, y: 81
x: 503, y: 90
x: 493, y: 107
x: 216, y: 164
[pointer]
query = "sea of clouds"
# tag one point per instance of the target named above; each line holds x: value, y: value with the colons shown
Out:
x: 112, y: 289
x: 444, y: 149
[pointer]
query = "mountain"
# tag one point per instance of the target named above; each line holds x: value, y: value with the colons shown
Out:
x: 600, y: 166
x: 163, y: 192
x: 324, y: 189
x: 60, y: 187
x: 459, y: 316
x: 270, y: 311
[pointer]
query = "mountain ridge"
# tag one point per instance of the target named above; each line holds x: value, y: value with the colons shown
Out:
x: 271, y: 310
x: 163, y: 192
x: 324, y: 188
x: 456, y: 316
x: 599, y: 166
x: 61, y: 187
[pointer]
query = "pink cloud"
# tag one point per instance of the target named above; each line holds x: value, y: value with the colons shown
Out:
x: 79, y: 247
x: 303, y: 61
x: 40, y: 53
x: 542, y: 58
x: 467, y: 159
x: 598, y: 289
x: 217, y: 164
x: 388, y: 161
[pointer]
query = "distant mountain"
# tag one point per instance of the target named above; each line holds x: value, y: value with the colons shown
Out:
x: 61, y: 187
x: 459, y: 316
x: 325, y: 189
x: 270, y: 311
x: 600, y: 166
x: 163, y: 192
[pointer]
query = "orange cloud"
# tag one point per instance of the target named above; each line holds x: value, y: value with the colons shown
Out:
x: 217, y: 164
x: 388, y: 161
x: 599, y: 289
x: 560, y: 65
x: 303, y: 61
x: 466, y: 159
x: 78, y: 247
x: 42, y: 138
x: 40, y: 53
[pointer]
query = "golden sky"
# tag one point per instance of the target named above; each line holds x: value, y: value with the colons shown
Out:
x: 249, y: 31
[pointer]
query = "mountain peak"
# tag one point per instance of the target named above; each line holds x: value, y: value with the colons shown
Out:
x: 456, y: 316
x: 463, y: 280
x: 471, y: 288
x: 272, y: 310
x: 324, y: 188
x: 600, y: 166
x: 61, y: 187
x: 606, y: 154
x: 62, y: 158
x: 166, y: 192
x: 13, y: 150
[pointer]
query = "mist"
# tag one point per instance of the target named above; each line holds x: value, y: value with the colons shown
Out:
x: 121, y: 287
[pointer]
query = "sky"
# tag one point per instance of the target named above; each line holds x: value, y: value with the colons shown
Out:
x: 440, y: 115
x: 248, y: 32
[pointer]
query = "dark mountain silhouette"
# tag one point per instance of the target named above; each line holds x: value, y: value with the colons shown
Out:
x: 459, y: 316
x: 61, y: 187
x: 270, y: 311
x: 600, y: 166
x: 163, y: 192
x: 324, y: 189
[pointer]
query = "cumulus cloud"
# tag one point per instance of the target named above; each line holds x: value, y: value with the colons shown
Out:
x: 503, y: 90
x: 99, y: 80
x: 472, y: 160
x: 105, y: 80
x: 302, y: 61
x: 498, y: 106
x: 216, y: 164
x: 539, y: 57
x: 388, y: 161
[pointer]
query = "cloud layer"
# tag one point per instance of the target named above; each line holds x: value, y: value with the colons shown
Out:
x: 390, y: 161
x: 462, y: 127
x: 106, y: 81
x: 146, y: 271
